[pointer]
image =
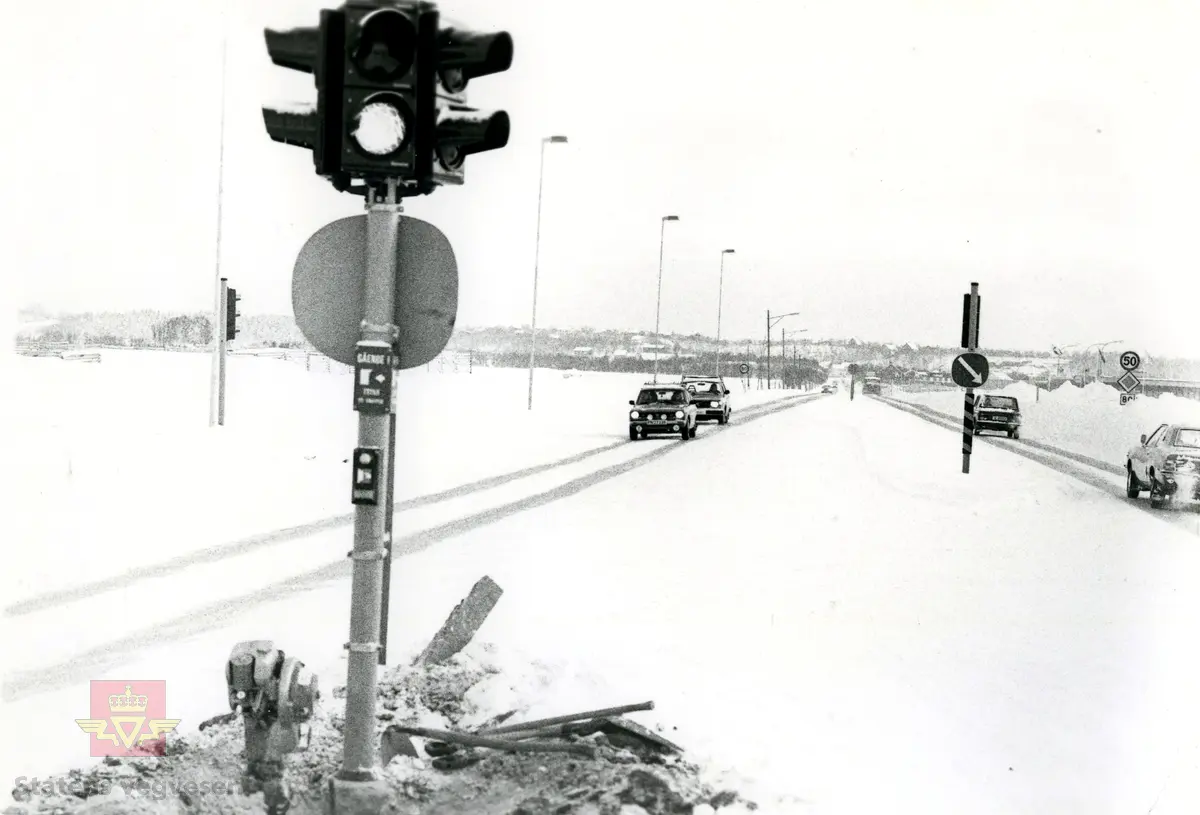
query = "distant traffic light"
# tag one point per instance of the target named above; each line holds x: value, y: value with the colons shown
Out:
x: 231, y: 313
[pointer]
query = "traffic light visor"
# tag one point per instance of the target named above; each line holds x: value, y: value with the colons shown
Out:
x: 385, y: 46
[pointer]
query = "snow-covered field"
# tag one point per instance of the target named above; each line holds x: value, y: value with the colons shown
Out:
x: 124, y: 447
x: 896, y: 639
x: 1090, y: 420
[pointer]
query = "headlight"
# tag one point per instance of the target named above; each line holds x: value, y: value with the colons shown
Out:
x: 679, y: 414
x: 633, y: 414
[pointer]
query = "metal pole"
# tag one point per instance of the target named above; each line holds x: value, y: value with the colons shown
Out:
x: 720, y: 300
x: 969, y: 396
x: 537, y: 252
x: 662, y: 233
x: 370, y: 521
x: 768, y: 349
x: 217, y: 395
x: 389, y: 515
x: 222, y: 346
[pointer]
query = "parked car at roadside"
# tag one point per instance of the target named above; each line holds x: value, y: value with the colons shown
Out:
x: 1166, y: 464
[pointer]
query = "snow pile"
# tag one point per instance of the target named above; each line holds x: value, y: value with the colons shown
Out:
x: 1089, y: 420
x: 206, y: 770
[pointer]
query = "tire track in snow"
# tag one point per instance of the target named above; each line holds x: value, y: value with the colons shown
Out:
x: 80, y: 667
x: 225, y: 551
x: 1052, y: 457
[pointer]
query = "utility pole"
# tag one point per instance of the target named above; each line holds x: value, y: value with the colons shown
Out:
x: 768, y: 349
x: 216, y: 402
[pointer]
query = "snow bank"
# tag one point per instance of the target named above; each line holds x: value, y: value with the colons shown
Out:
x: 1090, y: 420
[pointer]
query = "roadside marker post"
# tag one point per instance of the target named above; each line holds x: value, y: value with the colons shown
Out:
x: 970, y: 341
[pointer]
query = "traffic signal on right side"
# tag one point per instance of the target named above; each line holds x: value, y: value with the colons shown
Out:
x: 461, y: 130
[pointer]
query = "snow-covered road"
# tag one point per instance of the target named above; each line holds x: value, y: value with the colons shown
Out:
x: 818, y: 599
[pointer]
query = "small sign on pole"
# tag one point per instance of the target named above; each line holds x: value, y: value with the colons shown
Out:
x: 365, y: 488
x: 373, y: 378
x: 969, y: 370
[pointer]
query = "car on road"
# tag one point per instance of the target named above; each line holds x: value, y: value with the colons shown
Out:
x: 872, y: 384
x: 710, y: 396
x: 1000, y: 413
x: 661, y: 409
x: 1166, y: 464
x: 830, y: 388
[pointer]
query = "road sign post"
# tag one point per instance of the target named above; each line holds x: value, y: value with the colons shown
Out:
x: 1129, y: 381
x: 970, y: 341
x: 373, y: 401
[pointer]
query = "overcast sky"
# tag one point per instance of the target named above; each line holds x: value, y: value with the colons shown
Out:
x: 866, y: 159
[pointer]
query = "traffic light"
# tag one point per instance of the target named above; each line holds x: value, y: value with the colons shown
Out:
x: 391, y: 94
x: 387, y: 86
x: 231, y: 313
x: 461, y: 130
x: 318, y: 51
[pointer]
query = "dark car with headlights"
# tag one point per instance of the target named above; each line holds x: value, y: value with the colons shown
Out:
x: 711, y: 398
x: 999, y: 413
x: 661, y: 409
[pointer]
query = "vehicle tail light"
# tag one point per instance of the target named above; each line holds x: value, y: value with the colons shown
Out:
x: 1171, y: 463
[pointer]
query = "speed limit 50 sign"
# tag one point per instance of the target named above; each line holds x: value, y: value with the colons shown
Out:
x: 1130, y: 360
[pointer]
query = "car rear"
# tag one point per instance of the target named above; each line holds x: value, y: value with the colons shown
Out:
x: 1004, y: 417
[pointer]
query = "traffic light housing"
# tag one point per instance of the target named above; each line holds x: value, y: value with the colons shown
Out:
x: 461, y: 130
x: 231, y: 314
x: 391, y: 94
x: 387, y: 82
x: 318, y: 51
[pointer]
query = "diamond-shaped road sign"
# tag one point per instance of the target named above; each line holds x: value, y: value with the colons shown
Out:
x: 1129, y: 381
x: 329, y: 282
x: 969, y: 370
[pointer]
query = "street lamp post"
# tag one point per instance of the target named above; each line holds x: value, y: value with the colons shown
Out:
x: 771, y: 322
x: 720, y: 295
x: 537, y: 250
x: 662, y: 233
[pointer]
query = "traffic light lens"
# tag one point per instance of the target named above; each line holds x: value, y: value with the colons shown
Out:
x: 386, y: 46
x: 379, y: 128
